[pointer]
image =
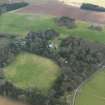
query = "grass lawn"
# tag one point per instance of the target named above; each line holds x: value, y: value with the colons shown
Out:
x: 32, y: 71
x: 93, y: 92
x: 22, y: 24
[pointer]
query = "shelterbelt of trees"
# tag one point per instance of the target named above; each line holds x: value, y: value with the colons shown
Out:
x: 5, y: 7
x: 77, y: 58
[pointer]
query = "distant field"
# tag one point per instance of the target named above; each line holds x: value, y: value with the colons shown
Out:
x: 32, y: 71
x: 38, y: 1
x: 22, y: 24
x: 97, y: 2
x: 93, y: 93
x: 4, y: 1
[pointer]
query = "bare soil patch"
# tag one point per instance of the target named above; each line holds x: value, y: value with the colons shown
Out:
x: 60, y: 9
x: 5, y: 101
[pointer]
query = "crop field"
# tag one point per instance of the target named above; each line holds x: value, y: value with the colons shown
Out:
x: 97, y: 2
x: 39, y: 1
x: 60, y: 9
x: 32, y: 71
x: 22, y: 24
x: 93, y: 92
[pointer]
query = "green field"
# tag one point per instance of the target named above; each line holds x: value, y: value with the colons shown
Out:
x: 93, y: 92
x: 32, y: 71
x: 22, y: 24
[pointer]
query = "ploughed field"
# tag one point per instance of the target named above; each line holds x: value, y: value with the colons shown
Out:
x: 32, y: 71
x: 93, y: 92
x: 61, y: 9
x: 97, y: 2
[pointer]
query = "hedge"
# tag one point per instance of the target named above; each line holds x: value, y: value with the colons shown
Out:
x: 13, y: 6
x: 92, y: 7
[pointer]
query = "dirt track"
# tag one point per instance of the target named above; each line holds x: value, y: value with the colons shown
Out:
x: 59, y: 9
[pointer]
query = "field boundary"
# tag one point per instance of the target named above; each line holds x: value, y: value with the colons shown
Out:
x: 77, y: 91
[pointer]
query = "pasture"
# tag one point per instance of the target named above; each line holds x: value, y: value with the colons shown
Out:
x: 93, y: 92
x: 21, y: 24
x: 32, y: 71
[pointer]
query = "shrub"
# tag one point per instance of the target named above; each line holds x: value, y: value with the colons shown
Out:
x: 92, y: 7
x: 31, y: 96
x: 66, y: 21
x: 9, y: 47
x: 96, y: 27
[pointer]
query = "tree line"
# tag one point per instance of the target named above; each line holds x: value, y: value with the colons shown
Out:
x: 78, y: 59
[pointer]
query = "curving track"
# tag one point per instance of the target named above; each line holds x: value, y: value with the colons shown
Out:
x: 60, y: 9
